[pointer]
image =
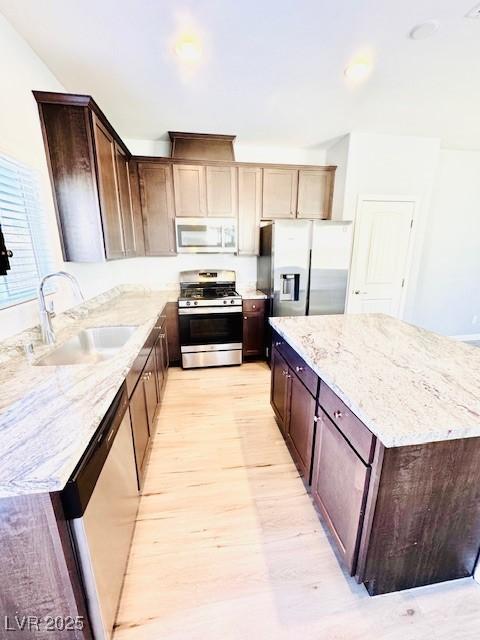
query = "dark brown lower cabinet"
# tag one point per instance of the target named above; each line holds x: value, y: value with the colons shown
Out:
x: 339, y: 488
x: 149, y: 380
x: 279, y: 393
x: 301, y: 427
x: 173, y: 333
x: 253, y: 328
x: 162, y: 360
x: 140, y: 429
x: 294, y: 407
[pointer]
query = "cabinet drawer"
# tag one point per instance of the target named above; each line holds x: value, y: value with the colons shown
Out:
x: 134, y: 374
x: 361, y: 438
x: 254, y: 306
x: 298, y: 365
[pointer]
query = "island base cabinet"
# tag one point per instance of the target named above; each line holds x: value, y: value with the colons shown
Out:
x: 280, y: 389
x: 425, y: 525
x: 339, y: 488
x: 301, y: 427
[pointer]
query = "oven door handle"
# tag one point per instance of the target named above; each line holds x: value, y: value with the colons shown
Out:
x: 205, y: 311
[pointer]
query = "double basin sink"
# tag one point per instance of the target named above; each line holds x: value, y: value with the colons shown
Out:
x: 89, y: 346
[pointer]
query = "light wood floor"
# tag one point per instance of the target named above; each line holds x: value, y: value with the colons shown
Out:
x: 228, y: 545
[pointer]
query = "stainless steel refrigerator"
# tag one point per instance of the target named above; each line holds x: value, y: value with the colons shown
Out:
x: 303, y: 266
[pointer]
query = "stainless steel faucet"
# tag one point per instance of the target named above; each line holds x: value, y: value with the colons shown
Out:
x: 46, y: 314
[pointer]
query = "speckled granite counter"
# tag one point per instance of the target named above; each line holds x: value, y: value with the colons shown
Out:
x: 48, y: 414
x: 250, y: 293
x: 407, y: 385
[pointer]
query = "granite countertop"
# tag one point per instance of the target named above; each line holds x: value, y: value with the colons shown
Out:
x: 48, y: 414
x: 409, y: 386
x: 250, y: 293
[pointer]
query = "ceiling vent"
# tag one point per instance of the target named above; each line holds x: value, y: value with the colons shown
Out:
x: 474, y: 13
x: 201, y: 146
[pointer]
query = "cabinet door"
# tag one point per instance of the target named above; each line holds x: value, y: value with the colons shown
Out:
x: 156, y: 197
x: 339, y: 487
x: 141, y: 435
x: 136, y: 207
x: 315, y: 192
x: 190, y: 190
x: 279, y: 393
x: 301, y: 427
x: 108, y: 191
x: 249, y: 210
x: 150, y: 382
x: 279, y: 193
x: 125, y: 200
x: 253, y: 334
x: 173, y: 332
x: 160, y: 364
x: 221, y: 192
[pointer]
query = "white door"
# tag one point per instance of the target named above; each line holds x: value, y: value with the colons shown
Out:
x: 380, y: 256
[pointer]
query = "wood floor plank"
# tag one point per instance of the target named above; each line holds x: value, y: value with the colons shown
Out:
x: 229, y: 547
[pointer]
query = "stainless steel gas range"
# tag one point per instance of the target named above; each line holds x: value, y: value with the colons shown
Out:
x: 210, y: 317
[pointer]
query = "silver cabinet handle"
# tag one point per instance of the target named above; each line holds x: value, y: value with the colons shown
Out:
x: 254, y: 306
x: 357, y: 292
x: 245, y: 318
x: 337, y: 414
x: 298, y: 369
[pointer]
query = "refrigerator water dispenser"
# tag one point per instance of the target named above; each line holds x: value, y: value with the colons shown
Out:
x: 290, y: 287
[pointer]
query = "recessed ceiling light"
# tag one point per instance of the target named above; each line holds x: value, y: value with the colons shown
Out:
x: 358, y: 71
x: 474, y: 13
x: 424, y: 30
x: 188, y: 48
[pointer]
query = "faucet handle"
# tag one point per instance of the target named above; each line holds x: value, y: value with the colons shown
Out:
x: 29, y: 351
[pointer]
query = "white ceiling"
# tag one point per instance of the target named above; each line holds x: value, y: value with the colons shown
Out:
x: 271, y: 70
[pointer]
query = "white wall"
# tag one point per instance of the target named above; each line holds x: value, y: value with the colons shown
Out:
x: 448, y: 292
x: 337, y: 155
x: 386, y: 165
x: 20, y: 137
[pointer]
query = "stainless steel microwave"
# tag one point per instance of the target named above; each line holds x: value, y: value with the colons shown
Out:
x: 206, y: 235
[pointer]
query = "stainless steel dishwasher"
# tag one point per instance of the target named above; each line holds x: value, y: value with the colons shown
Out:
x: 101, y: 502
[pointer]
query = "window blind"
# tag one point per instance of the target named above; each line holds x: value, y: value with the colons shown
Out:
x: 24, y: 228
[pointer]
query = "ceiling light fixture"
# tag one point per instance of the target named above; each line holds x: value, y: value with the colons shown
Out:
x: 424, y: 30
x: 358, y: 71
x: 474, y: 13
x: 188, y: 48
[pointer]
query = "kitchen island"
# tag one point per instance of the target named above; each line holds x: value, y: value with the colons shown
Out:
x: 383, y: 421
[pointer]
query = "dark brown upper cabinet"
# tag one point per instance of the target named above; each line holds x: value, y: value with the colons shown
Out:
x: 279, y: 193
x: 205, y: 190
x: 190, y: 190
x: 249, y: 210
x: 156, y: 198
x: 315, y: 193
x: 221, y: 190
x: 88, y: 164
x: 126, y: 203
